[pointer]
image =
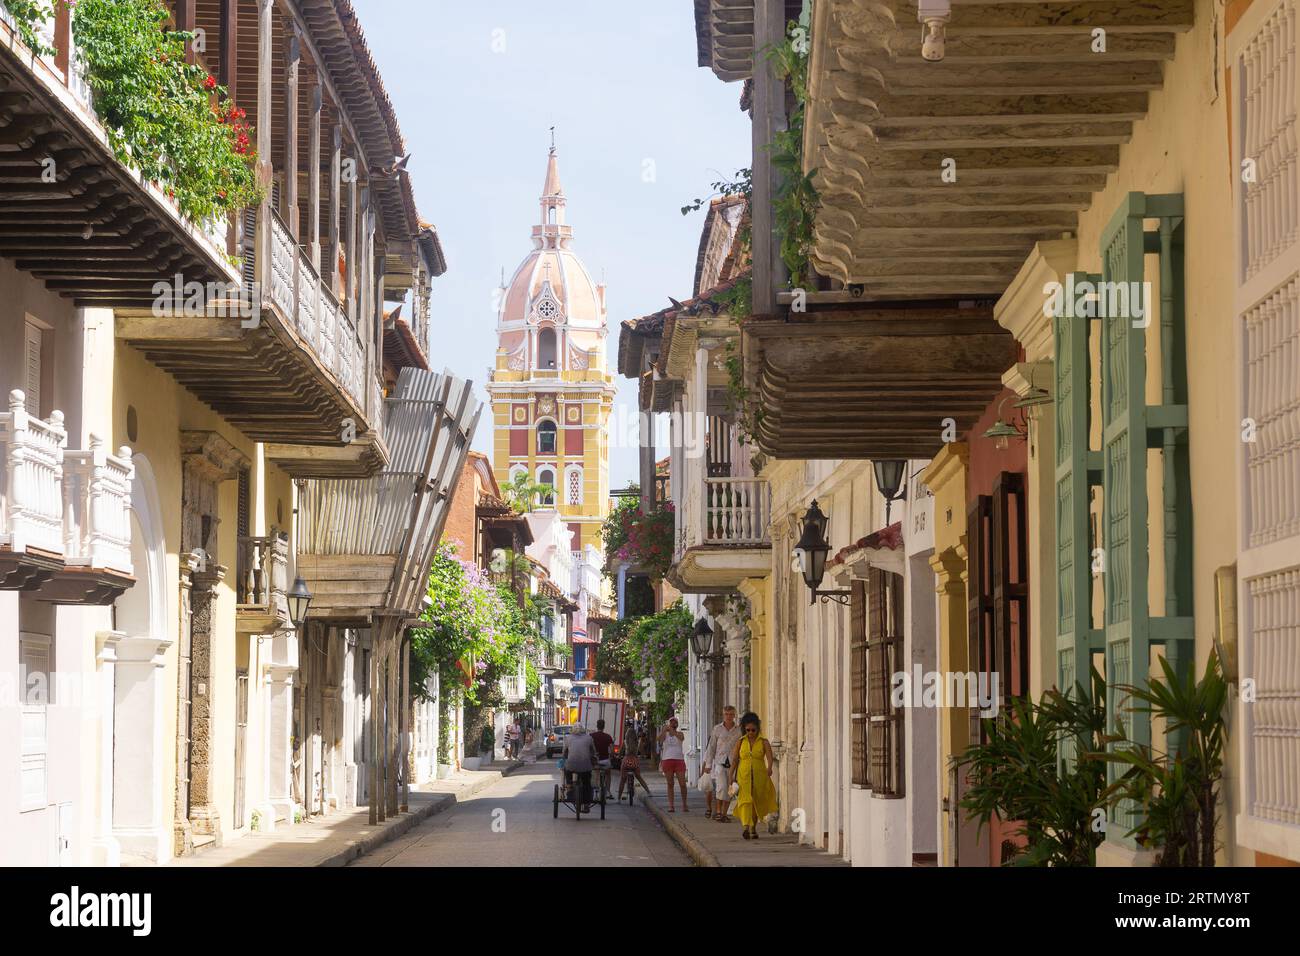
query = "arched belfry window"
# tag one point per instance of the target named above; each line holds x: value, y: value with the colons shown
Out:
x: 546, y: 438
x: 550, y: 215
x: 546, y: 348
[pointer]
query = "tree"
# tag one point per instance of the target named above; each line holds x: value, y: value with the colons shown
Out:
x: 523, y: 494
x: 473, y: 631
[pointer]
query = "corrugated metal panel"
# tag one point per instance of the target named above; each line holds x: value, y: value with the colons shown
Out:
x: 429, y: 424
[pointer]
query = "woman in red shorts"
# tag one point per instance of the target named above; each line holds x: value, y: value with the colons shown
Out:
x: 672, y: 761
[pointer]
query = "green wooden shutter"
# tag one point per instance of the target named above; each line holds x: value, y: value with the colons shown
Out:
x: 1129, y: 428
x: 1074, y: 640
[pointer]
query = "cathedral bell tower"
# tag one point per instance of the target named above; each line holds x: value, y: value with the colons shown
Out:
x: 551, y: 388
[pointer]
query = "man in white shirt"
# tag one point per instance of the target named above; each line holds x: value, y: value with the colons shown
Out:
x: 715, y: 758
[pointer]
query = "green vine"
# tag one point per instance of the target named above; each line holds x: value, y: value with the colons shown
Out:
x: 795, y: 201
x: 749, y: 415
x: 738, y: 300
x: 165, y: 117
x: 27, y: 16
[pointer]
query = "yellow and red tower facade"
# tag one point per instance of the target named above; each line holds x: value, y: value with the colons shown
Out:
x: 551, y: 389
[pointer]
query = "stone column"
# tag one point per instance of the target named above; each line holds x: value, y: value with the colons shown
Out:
x: 139, y: 702
x: 279, y: 743
x: 105, y: 850
x: 183, y: 838
x: 205, y: 818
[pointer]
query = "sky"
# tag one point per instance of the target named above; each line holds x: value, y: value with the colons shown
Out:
x: 640, y: 130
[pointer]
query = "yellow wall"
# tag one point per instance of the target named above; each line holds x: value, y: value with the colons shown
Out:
x: 1182, y: 147
x: 163, y: 408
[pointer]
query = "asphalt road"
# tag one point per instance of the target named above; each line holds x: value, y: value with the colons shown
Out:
x: 511, y: 824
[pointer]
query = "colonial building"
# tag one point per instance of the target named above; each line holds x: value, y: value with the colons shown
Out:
x: 551, y: 390
x: 152, y: 509
x: 1036, y: 438
x: 552, y: 395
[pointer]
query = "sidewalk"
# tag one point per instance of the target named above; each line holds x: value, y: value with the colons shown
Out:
x: 341, y: 836
x: 710, y: 843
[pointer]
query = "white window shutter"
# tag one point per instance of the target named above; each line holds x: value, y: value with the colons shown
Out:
x: 33, y: 658
x: 1266, y: 88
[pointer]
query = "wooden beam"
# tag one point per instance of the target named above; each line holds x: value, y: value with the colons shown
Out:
x: 336, y: 174
x: 229, y: 36
x: 313, y: 176
x: 185, y: 23
x: 292, y: 65
x: 769, y: 118
x: 349, y: 292
x: 265, y: 170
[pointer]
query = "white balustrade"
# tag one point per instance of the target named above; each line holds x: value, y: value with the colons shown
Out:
x: 321, y: 322
x: 736, y: 511
x: 328, y: 329
x: 308, y: 303
x: 283, y: 267
x: 31, y: 496
x: 97, y: 507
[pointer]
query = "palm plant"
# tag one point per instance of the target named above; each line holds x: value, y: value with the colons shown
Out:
x: 1176, y: 792
x: 1038, y: 767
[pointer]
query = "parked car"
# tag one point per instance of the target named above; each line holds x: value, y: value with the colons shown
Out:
x: 556, y: 738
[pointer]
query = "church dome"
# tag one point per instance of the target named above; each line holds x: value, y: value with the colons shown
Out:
x: 552, y: 286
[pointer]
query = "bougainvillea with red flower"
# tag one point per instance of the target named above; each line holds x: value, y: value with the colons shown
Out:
x: 642, y: 539
x: 166, y: 117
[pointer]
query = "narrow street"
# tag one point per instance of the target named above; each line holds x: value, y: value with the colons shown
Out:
x: 527, y: 834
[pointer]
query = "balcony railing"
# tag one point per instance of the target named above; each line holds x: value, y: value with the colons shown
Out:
x: 300, y: 295
x: 736, y: 511
x: 514, y: 688
x: 31, y: 482
x: 262, y: 579
x: 97, y: 507
x: 73, y: 506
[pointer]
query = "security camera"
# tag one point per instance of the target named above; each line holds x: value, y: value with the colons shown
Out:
x: 934, y: 14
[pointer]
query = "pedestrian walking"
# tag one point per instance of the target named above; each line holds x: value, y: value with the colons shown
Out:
x: 751, y: 769
x: 672, y: 761
x: 513, y: 736
x: 716, y: 760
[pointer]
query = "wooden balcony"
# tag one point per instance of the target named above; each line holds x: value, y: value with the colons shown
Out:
x: 303, y: 375
x: 283, y: 363
x: 65, y: 525
x: 903, y: 373
x: 261, y: 584
x: 95, y: 234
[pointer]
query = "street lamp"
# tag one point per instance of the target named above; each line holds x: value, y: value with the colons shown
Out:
x: 889, y: 480
x: 702, y: 641
x: 810, y: 556
x: 1003, y: 431
x: 299, y: 600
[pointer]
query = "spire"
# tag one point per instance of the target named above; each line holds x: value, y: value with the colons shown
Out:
x: 552, y: 233
x: 552, y: 187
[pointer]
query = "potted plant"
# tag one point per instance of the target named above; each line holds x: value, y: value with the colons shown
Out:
x: 487, y: 741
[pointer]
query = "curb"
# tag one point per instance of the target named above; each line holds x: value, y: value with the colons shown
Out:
x: 683, y: 837
x: 401, y: 824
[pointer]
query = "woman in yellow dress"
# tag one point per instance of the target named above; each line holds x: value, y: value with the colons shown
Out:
x: 751, y: 768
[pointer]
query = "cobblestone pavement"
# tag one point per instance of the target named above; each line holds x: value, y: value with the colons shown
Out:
x: 511, y: 824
